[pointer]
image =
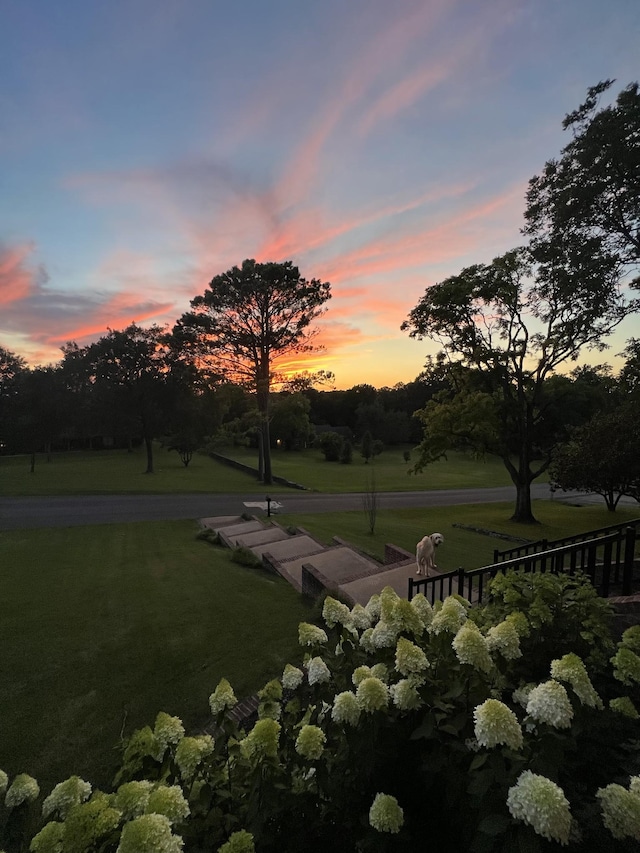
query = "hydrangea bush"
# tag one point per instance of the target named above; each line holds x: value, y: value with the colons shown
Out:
x: 401, y: 726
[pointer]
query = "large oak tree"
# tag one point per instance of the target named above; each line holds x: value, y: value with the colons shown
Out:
x: 248, y: 319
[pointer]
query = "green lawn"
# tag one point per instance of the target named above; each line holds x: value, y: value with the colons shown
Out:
x: 104, y: 626
x: 119, y: 472
x: 461, y: 548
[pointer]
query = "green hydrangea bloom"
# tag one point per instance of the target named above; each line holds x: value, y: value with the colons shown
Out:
x: 409, y: 657
x: 223, y: 698
x: 191, y: 752
x: 336, y: 613
x: 626, y: 666
x: 423, y: 608
x: 167, y: 730
x: 372, y: 695
x: 23, y: 789
x: 540, y: 803
x: 496, y: 724
x: 49, y: 839
x: 373, y: 608
x: 89, y: 823
x: 66, y: 794
x: 131, y: 798
x: 631, y: 638
x: 271, y: 692
x: 360, y: 619
x: 360, y: 673
x: 168, y: 800
x: 310, y: 742
x: 624, y: 705
x: 405, y: 695
x: 366, y: 641
x: 292, y: 677
x: 239, y: 842
x: 620, y: 811
x: 504, y: 639
x: 572, y: 670
x: 381, y: 671
x: 262, y: 741
x: 311, y: 635
x: 317, y: 671
x: 449, y: 617
x: 385, y: 814
x: 150, y: 833
x: 4, y: 781
x: 405, y: 618
x: 519, y: 622
x: 549, y: 703
x: 384, y: 635
x: 388, y: 600
x: 345, y: 708
x: 471, y: 647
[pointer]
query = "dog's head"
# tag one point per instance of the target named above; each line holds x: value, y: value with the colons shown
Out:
x: 437, y: 539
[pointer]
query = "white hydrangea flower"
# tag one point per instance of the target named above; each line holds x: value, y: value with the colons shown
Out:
x: 239, y: 842
x: 336, y: 613
x: 373, y: 608
x: 131, y: 798
x: 191, y: 752
x: 624, y: 705
x: 626, y: 666
x: 366, y: 641
x: 310, y: 742
x: 385, y: 814
x: 471, y: 647
x: 384, y: 636
x: 317, y: 671
x: 450, y: 617
x: 66, y: 794
x: 496, y: 724
x: 167, y: 730
x: 409, y: 657
x: 381, y: 671
x: 403, y: 617
x: 405, y: 695
x: 263, y: 739
x: 423, y: 608
x: 540, y: 803
x: 311, y: 635
x: 4, y: 781
x: 549, y: 703
x: 634, y: 785
x: 360, y: 673
x: 571, y: 669
x: 223, y: 698
x: 149, y: 833
x: 621, y: 810
x: 372, y: 695
x: 360, y: 619
x: 49, y: 839
x: 345, y: 708
x: 168, y: 800
x: 23, y: 789
x: 292, y: 677
x: 504, y: 639
x: 388, y: 599
x: 521, y: 694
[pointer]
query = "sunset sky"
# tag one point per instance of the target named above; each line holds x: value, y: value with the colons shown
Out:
x: 381, y: 145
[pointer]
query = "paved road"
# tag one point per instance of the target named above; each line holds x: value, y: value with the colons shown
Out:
x: 25, y: 512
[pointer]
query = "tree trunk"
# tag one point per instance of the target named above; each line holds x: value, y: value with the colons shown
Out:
x: 148, y: 443
x: 523, y: 512
x: 266, y: 441
x: 260, y: 454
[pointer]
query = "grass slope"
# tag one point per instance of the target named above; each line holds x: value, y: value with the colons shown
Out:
x: 104, y: 626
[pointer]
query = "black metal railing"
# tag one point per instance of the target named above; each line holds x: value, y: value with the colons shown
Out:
x: 546, y: 544
x: 606, y: 560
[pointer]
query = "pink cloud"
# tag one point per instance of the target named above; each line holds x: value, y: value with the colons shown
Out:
x: 17, y: 280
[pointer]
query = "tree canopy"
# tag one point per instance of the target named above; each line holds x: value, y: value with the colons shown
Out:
x: 249, y: 318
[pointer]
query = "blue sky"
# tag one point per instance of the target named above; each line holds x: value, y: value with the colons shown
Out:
x: 148, y: 145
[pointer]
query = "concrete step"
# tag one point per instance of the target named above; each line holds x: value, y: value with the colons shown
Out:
x: 336, y: 564
x: 215, y: 522
x: 229, y: 535
x: 260, y: 537
x: 293, y: 546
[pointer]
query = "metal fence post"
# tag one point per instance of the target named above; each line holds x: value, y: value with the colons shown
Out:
x: 629, y: 556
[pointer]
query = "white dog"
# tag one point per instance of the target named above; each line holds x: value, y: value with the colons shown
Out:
x: 425, y: 553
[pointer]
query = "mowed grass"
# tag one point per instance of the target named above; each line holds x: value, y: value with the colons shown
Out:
x: 461, y: 548
x: 120, y: 472
x: 103, y: 626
